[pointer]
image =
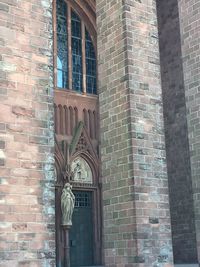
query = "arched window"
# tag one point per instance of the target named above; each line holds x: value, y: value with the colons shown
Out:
x: 76, y: 57
x: 76, y: 128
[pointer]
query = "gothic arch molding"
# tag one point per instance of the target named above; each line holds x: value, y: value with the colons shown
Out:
x: 87, y: 11
x: 76, y: 121
x: 59, y: 162
x: 93, y: 164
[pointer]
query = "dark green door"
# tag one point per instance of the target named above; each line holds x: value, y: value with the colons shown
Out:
x: 81, y: 233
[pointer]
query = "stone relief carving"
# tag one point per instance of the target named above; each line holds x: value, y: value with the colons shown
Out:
x: 67, y: 204
x: 81, y: 171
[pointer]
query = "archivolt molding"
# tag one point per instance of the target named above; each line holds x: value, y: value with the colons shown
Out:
x: 59, y: 161
x: 90, y: 160
x: 87, y: 11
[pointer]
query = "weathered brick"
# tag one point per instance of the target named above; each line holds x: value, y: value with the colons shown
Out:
x: 4, y: 7
x: 25, y: 124
x: 22, y: 111
x: 131, y: 112
x: 171, y: 16
x: 189, y: 15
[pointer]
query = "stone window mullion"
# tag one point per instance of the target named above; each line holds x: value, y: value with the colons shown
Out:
x: 83, y: 57
x: 69, y: 46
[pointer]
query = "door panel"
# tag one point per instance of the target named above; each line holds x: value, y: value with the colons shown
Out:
x: 81, y: 232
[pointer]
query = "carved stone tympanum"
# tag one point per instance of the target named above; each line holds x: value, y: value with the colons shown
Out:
x: 81, y: 171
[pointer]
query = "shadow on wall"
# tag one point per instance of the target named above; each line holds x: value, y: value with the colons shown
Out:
x: 176, y: 135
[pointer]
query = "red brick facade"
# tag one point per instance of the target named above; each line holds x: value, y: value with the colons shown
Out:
x: 189, y: 14
x: 135, y: 188
x: 26, y: 134
x: 176, y: 134
x: 136, y: 226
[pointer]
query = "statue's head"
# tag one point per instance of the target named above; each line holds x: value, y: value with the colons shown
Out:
x: 67, y: 185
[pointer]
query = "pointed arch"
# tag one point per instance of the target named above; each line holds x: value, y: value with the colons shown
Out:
x: 72, y: 50
x: 74, y: 138
x: 87, y: 11
x: 93, y: 164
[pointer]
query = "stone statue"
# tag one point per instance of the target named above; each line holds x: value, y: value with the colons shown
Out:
x: 81, y: 171
x: 67, y: 204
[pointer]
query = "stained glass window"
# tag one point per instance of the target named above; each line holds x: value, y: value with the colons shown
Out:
x: 76, y: 52
x: 90, y: 64
x: 62, y: 47
x: 77, y: 70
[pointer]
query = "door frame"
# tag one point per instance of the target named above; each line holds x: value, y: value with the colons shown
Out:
x: 95, y: 188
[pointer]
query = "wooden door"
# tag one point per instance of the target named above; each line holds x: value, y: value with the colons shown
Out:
x: 81, y: 234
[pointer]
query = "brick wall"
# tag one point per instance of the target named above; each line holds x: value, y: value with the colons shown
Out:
x: 177, y: 146
x: 135, y: 188
x: 189, y: 12
x: 26, y: 134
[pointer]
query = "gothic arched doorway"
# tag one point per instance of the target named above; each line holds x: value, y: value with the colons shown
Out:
x: 76, y: 130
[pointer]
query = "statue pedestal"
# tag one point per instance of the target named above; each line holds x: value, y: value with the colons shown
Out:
x: 66, y: 245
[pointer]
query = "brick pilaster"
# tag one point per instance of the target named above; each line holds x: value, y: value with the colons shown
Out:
x: 176, y: 134
x: 135, y: 188
x: 189, y: 13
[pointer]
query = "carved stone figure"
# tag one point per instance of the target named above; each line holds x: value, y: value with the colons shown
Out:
x: 67, y: 204
x: 81, y: 171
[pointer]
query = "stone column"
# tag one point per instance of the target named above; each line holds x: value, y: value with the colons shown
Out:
x: 189, y: 13
x: 137, y: 228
